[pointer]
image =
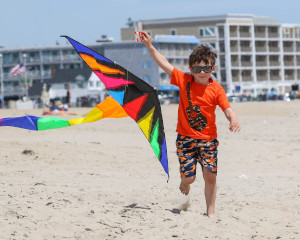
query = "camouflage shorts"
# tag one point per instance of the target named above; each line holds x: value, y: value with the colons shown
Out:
x: 191, y: 150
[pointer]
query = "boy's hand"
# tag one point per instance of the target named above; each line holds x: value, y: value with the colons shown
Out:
x: 234, y: 125
x: 146, y: 38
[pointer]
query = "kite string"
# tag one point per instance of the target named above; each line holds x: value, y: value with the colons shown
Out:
x: 130, y: 63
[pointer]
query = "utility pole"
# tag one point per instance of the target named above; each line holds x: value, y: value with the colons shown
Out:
x: 26, y: 83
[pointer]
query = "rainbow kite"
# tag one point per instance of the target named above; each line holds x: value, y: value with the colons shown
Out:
x: 130, y: 96
x: 109, y: 108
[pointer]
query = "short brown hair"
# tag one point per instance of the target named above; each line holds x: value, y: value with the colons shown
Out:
x: 203, y: 53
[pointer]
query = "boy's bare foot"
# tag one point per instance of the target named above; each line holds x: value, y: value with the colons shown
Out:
x: 185, y: 202
x: 184, y: 188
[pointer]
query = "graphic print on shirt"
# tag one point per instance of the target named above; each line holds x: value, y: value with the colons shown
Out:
x: 196, y: 119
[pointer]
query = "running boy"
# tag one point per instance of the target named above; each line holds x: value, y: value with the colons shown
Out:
x: 196, y: 127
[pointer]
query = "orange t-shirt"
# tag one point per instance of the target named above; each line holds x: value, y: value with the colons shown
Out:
x: 207, y: 97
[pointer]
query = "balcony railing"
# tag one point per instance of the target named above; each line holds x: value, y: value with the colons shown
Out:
x: 246, y: 49
x: 274, y: 49
x: 245, y: 34
x: 14, y: 91
x: 288, y: 63
x: 234, y: 63
x: 274, y: 63
x: 246, y: 64
x: 233, y: 34
x: 273, y: 35
x: 288, y: 49
x: 71, y: 58
x: 247, y: 78
x: 275, y: 77
x: 262, y: 77
x: 234, y: 49
x: 33, y: 60
x: 51, y: 59
x: 261, y: 63
x: 235, y: 78
x: 260, y: 34
x: 260, y: 49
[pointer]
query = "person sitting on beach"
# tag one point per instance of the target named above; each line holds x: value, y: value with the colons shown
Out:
x: 196, y: 127
x: 58, y: 109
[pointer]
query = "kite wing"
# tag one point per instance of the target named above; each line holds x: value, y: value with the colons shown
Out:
x: 109, y: 108
x: 138, y: 99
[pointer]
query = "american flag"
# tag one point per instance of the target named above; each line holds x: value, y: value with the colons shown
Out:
x: 18, y: 69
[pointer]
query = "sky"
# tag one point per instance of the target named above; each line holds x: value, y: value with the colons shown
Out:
x: 25, y: 23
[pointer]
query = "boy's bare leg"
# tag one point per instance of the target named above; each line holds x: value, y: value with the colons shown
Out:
x: 185, y: 184
x: 210, y: 191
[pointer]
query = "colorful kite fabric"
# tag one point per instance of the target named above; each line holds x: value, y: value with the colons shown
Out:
x: 109, y: 108
x: 138, y: 99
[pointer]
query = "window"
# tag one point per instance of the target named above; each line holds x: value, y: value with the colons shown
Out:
x: 207, y: 31
x: 201, y: 32
x: 91, y: 84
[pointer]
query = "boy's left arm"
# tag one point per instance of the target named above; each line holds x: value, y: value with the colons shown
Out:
x: 234, y: 125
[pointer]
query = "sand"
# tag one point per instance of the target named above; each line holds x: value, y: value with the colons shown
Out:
x: 102, y: 180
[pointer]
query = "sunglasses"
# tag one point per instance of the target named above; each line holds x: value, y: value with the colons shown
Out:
x: 206, y: 69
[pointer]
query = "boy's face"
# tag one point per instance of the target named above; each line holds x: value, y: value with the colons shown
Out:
x: 202, y: 71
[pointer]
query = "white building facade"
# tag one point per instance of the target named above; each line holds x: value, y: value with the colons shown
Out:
x: 255, y: 54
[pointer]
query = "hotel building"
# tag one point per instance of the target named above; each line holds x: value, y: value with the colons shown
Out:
x: 255, y: 54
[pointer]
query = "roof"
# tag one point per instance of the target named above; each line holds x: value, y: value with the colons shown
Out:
x: 36, y: 89
x: 69, y: 75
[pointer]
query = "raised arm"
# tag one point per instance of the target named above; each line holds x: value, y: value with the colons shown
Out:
x: 156, y: 55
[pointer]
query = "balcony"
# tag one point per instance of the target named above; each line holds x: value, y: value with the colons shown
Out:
x: 71, y: 58
x: 51, y: 59
x: 245, y: 35
x: 34, y: 60
x: 288, y: 63
x: 274, y: 49
x: 246, y: 64
x: 235, y: 78
x: 288, y: 49
x: 233, y: 34
x: 262, y: 78
x: 247, y: 78
x: 289, y: 77
x: 234, y: 63
x: 14, y: 91
x: 260, y: 34
x: 274, y: 63
x: 234, y: 49
x: 246, y: 49
x: 275, y: 77
x: 261, y: 49
x: 273, y: 35
x: 261, y: 63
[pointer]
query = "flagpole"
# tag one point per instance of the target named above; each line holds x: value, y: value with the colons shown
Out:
x: 1, y: 79
x: 26, y: 85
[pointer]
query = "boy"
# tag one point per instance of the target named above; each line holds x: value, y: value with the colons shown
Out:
x: 197, y: 132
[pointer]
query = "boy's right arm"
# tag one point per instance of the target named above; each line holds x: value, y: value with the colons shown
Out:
x: 156, y: 55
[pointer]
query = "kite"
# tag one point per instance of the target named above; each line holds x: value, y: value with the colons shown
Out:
x: 130, y: 96
x: 109, y: 108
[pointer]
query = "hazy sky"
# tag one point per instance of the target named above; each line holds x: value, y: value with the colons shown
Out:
x: 41, y: 22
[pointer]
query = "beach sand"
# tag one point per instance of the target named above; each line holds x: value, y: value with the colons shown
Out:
x: 103, y: 181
